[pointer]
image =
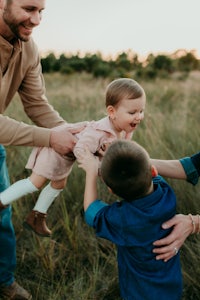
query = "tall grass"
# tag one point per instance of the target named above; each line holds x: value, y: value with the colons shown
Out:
x: 74, y: 264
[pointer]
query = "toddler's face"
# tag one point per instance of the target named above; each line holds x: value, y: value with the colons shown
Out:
x: 128, y: 114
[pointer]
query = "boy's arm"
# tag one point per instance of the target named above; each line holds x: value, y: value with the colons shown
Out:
x: 90, y: 194
x: 90, y: 164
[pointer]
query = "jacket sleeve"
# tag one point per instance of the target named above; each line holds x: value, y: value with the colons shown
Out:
x: 191, y: 166
x: 32, y: 93
x: 17, y: 133
x: 196, y: 161
x: 31, y: 88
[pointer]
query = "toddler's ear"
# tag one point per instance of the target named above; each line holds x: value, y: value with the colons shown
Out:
x: 111, y: 111
x: 154, y: 171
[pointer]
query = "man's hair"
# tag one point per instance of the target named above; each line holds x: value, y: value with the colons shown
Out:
x: 122, y: 88
x: 126, y: 169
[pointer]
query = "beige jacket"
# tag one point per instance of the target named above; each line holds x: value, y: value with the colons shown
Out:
x: 20, y: 71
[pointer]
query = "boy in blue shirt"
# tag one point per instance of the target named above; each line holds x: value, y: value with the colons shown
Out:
x: 133, y: 223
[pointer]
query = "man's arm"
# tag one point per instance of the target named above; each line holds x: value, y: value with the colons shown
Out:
x: 28, y: 81
x: 13, y: 132
x: 60, y: 138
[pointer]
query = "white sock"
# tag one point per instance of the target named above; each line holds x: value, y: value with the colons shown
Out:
x: 17, y: 190
x: 46, y: 198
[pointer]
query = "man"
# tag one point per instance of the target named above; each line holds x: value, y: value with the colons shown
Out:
x: 20, y: 71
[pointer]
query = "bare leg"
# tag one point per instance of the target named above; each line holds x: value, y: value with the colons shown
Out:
x: 37, y: 180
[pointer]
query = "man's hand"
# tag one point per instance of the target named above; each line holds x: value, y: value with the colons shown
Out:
x: 167, y: 247
x: 62, y: 138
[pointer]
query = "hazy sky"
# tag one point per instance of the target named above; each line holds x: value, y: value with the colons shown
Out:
x: 113, y: 26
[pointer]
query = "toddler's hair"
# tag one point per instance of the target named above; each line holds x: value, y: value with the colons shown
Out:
x: 123, y: 88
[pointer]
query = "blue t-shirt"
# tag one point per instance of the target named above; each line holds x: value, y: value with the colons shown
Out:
x: 133, y: 227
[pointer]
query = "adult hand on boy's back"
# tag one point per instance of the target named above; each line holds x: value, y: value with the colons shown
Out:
x: 167, y: 247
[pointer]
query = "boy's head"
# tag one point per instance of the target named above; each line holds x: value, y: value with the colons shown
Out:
x: 123, y: 88
x: 126, y: 169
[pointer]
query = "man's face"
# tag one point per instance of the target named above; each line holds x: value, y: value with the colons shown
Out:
x: 21, y: 16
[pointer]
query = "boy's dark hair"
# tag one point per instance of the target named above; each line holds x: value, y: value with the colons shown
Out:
x: 126, y: 169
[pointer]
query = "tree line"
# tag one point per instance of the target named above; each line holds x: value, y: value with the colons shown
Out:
x: 125, y: 64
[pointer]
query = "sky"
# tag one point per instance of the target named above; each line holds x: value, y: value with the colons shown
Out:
x: 115, y: 26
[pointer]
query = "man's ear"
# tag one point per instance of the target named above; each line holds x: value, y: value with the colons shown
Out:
x: 111, y: 111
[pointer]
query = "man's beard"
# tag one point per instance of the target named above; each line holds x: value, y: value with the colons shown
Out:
x: 13, y: 25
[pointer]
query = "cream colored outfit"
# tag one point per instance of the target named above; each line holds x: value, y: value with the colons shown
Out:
x: 51, y: 165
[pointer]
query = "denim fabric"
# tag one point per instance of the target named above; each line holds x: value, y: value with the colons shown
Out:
x: 133, y: 226
x: 195, y: 158
x: 190, y: 170
x: 7, y: 234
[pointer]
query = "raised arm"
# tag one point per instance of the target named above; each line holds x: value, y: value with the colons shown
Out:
x: 90, y: 164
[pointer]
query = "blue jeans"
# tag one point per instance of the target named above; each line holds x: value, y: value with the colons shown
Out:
x: 7, y: 234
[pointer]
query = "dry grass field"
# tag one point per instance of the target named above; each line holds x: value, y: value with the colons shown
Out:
x: 74, y: 264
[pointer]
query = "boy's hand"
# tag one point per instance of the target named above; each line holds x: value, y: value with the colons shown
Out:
x: 88, y: 162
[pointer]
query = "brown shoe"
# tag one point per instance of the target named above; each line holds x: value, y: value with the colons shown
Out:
x: 14, y: 292
x: 36, y: 221
x: 2, y: 206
